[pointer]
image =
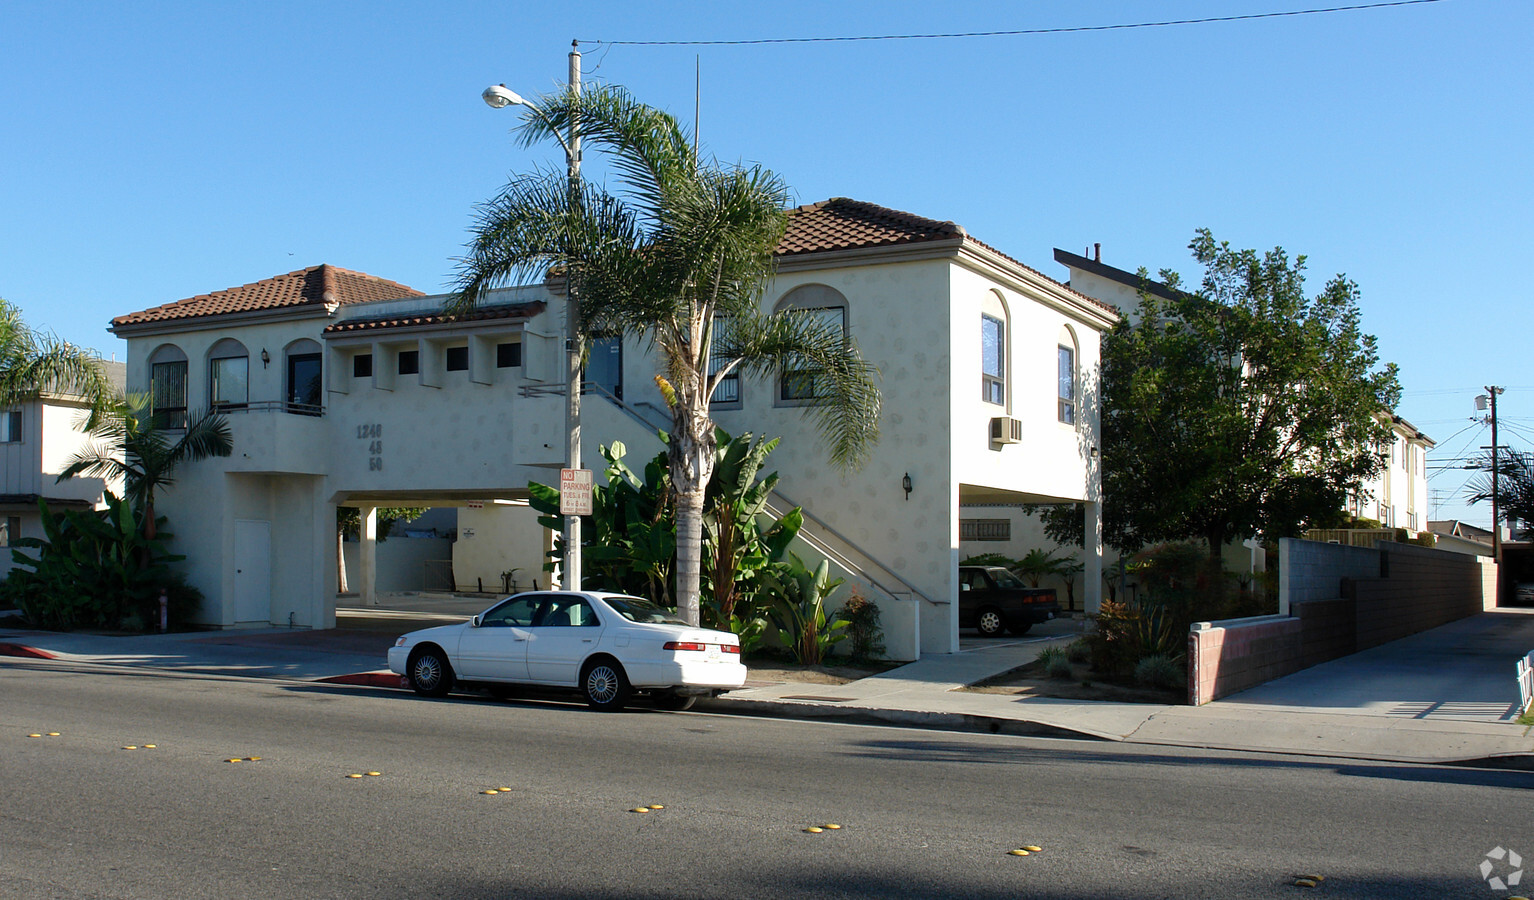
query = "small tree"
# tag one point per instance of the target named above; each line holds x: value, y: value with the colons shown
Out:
x: 130, y: 445
x: 1246, y: 408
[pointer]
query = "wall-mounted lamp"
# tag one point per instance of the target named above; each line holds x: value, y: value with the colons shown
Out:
x: 906, y: 484
x: 266, y: 358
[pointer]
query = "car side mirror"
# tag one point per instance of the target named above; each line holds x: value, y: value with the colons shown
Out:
x: 474, y: 622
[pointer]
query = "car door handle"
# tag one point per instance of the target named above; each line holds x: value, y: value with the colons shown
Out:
x: 585, y: 640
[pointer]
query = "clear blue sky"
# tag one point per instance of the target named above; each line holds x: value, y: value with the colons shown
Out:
x: 153, y: 151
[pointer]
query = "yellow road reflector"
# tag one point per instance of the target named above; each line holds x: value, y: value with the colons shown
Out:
x: 1031, y: 848
x: 491, y: 791
x: 130, y: 747
x: 375, y: 773
x: 657, y: 806
x: 355, y: 775
x: 236, y: 759
x: 252, y: 759
x: 1316, y: 878
x: 149, y: 746
x: 53, y: 734
x: 814, y: 829
x: 1304, y: 882
x: 831, y: 827
x: 34, y: 735
x: 1020, y: 852
x: 504, y: 790
x: 640, y: 809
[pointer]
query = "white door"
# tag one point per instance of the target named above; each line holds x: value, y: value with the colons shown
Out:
x: 252, y: 571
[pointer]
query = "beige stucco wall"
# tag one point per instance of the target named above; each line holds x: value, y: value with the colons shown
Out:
x: 494, y: 539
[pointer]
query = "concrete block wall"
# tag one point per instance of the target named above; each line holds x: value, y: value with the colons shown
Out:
x: 1377, y: 595
x: 1311, y: 570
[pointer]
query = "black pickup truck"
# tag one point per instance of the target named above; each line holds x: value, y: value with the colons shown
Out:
x: 992, y: 598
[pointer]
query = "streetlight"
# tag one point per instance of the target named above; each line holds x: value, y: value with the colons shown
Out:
x: 499, y: 96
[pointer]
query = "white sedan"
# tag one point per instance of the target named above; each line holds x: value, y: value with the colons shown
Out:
x: 605, y: 645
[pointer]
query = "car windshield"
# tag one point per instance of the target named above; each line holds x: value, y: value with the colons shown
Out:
x: 1005, y: 579
x: 636, y: 610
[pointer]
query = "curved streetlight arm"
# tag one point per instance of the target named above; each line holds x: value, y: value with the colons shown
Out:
x: 499, y: 96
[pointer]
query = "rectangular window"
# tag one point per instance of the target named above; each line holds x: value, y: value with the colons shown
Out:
x: 993, y: 356
x: 727, y: 391
x: 508, y: 356
x: 167, y: 394
x: 230, y: 382
x: 10, y: 427
x: 410, y: 362
x: 458, y: 359
x: 985, y: 529
x: 800, y: 380
x: 362, y: 365
x: 1067, y: 389
x: 604, y: 365
x: 305, y: 384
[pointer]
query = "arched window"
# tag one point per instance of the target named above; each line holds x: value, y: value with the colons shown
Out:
x: 994, y: 346
x: 1067, y: 379
x: 228, y: 375
x: 167, y: 386
x: 801, y: 381
x: 304, y: 388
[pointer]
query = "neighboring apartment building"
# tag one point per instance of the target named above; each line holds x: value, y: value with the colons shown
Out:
x: 345, y: 389
x: 1397, y: 497
x: 38, y: 438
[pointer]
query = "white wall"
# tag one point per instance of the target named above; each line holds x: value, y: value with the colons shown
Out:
x: 495, y: 539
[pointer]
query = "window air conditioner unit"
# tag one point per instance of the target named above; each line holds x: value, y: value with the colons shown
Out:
x: 1006, y: 430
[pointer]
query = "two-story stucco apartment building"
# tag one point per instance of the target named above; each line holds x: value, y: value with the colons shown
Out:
x: 38, y: 438
x: 343, y: 389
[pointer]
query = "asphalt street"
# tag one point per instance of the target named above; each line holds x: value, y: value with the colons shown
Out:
x: 924, y: 814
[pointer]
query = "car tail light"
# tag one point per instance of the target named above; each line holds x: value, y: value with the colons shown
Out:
x: 730, y: 648
x: 685, y: 645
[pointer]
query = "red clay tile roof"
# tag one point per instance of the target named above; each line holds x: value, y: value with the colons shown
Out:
x: 513, y: 311
x: 316, y: 285
x: 843, y: 224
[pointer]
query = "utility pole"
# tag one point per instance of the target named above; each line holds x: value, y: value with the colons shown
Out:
x: 1481, y: 402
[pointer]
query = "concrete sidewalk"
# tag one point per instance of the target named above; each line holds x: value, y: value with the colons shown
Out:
x: 926, y: 693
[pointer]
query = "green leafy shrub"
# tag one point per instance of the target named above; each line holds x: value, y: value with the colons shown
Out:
x: 1161, y: 671
x: 799, y: 610
x: 1055, y: 662
x: 1078, y: 651
x: 862, y: 617
x: 95, y: 569
x: 989, y: 559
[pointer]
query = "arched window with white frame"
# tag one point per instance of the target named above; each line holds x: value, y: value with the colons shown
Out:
x: 994, y: 347
x: 1067, y: 377
x: 800, y: 382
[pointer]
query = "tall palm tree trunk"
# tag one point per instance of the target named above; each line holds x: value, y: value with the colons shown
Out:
x: 692, y: 464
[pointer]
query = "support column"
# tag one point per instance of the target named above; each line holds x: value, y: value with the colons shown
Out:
x: 556, y: 577
x: 1092, y: 559
x: 367, y: 555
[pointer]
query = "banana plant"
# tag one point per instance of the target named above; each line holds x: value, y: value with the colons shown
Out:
x: 799, y: 611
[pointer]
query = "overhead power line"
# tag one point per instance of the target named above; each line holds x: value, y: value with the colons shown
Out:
x: 1071, y: 29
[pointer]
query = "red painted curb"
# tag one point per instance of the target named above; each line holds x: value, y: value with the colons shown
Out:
x: 368, y: 679
x: 28, y: 652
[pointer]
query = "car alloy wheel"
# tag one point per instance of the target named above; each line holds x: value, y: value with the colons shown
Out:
x: 430, y: 674
x: 605, y: 686
x: 989, y: 623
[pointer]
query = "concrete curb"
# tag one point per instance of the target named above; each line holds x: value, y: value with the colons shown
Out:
x: 904, y: 718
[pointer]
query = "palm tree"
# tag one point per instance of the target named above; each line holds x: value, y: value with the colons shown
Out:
x: 32, y: 362
x: 681, y: 259
x: 131, y: 446
x: 1514, y: 487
